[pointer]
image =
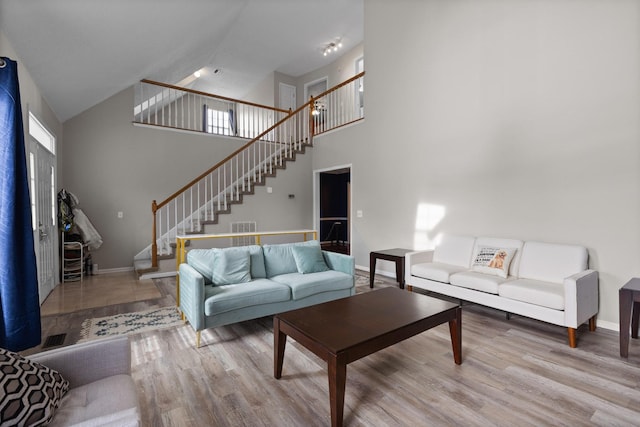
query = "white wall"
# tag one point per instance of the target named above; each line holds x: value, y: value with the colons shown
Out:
x: 337, y: 71
x: 517, y: 119
x: 262, y: 93
x: 30, y: 96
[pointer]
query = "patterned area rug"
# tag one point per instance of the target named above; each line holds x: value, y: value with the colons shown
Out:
x: 362, y: 282
x: 129, y: 323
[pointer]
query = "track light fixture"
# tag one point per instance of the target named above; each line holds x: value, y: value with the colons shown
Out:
x: 332, y: 47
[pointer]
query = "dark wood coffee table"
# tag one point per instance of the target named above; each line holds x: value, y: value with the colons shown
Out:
x: 347, y: 329
x: 629, y: 303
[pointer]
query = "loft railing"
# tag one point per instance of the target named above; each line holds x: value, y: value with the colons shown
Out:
x: 226, y: 182
x: 339, y: 106
x: 165, y: 105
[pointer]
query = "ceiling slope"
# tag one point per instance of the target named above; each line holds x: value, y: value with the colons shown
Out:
x: 81, y: 52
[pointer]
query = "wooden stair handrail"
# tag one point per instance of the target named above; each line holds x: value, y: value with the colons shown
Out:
x: 336, y: 87
x: 210, y: 95
x: 226, y: 159
x: 230, y: 156
x: 155, y: 206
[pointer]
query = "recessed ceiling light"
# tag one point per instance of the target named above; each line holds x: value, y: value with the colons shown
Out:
x: 197, y: 74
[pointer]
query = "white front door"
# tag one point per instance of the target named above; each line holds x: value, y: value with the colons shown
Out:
x: 42, y: 172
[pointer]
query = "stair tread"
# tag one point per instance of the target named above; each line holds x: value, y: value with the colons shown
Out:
x: 250, y: 182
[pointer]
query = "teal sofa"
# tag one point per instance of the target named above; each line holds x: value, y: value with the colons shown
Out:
x: 224, y: 286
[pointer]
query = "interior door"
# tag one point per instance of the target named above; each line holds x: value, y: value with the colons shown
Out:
x: 287, y: 97
x: 42, y: 190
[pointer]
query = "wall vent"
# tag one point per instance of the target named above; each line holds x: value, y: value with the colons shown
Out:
x: 243, y: 227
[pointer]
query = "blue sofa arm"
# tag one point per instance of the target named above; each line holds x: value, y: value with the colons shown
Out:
x: 192, y: 296
x: 340, y: 262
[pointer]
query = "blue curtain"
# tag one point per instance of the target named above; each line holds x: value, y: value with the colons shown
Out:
x: 20, y: 316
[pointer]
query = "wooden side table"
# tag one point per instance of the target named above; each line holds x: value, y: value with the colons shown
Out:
x: 629, y: 299
x: 396, y: 255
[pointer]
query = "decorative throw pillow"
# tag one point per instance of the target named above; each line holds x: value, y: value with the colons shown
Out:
x: 278, y: 258
x: 231, y: 267
x: 493, y: 260
x: 309, y: 259
x: 30, y: 393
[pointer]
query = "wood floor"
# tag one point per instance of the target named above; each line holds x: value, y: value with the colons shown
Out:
x: 102, y: 295
x: 98, y: 291
x: 514, y: 372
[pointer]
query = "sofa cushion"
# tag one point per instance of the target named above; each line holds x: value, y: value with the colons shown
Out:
x: 549, y: 262
x: 231, y: 266
x: 493, y: 260
x: 544, y: 294
x: 30, y: 393
x: 278, y: 259
x: 223, y: 298
x: 309, y: 259
x: 477, y: 281
x: 305, y: 285
x: 454, y: 250
x: 204, y: 260
x: 436, y: 271
x: 109, y: 401
x: 503, y: 243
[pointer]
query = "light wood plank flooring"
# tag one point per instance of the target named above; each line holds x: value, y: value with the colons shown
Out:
x: 98, y: 291
x: 102, y: 295
x: 514, y: 372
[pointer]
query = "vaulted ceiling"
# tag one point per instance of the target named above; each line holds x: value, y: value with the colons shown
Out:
x: 81, y: 52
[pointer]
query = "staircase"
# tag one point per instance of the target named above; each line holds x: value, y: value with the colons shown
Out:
x: 273, y: 144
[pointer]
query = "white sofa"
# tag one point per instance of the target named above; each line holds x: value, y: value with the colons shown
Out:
x: 544, y: 281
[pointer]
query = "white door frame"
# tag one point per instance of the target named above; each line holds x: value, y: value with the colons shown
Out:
x: 313, y: 83
x: 45, y: 230
x: 316, y: 199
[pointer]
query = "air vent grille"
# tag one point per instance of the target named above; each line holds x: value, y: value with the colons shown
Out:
x: 243, y: 227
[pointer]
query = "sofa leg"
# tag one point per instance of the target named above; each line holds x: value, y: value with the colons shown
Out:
x: 409, y: 288
x: 508, y: 315
x: 572, y: 337
x: 592, y: 323
x: 197, y: 339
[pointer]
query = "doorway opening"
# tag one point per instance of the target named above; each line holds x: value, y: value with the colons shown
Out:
x: 315, y: 88
x: 332, y: 188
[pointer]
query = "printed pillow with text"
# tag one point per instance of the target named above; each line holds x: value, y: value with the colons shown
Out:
x: 493, y: 260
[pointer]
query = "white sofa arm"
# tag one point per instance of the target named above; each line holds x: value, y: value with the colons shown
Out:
x: 580, y: 297
x: 89, y: 361
x: 417, y: 257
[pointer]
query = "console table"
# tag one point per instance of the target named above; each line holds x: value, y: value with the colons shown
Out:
x: 396, y: 255
x: 629, y: 300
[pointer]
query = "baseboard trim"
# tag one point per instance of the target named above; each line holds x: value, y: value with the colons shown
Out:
x: 114, y: 270
x: 158, y: 275
x: 604, y: 324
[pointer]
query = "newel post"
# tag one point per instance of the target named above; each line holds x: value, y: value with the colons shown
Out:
x: 312, y: 108
x: 154, y: 244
